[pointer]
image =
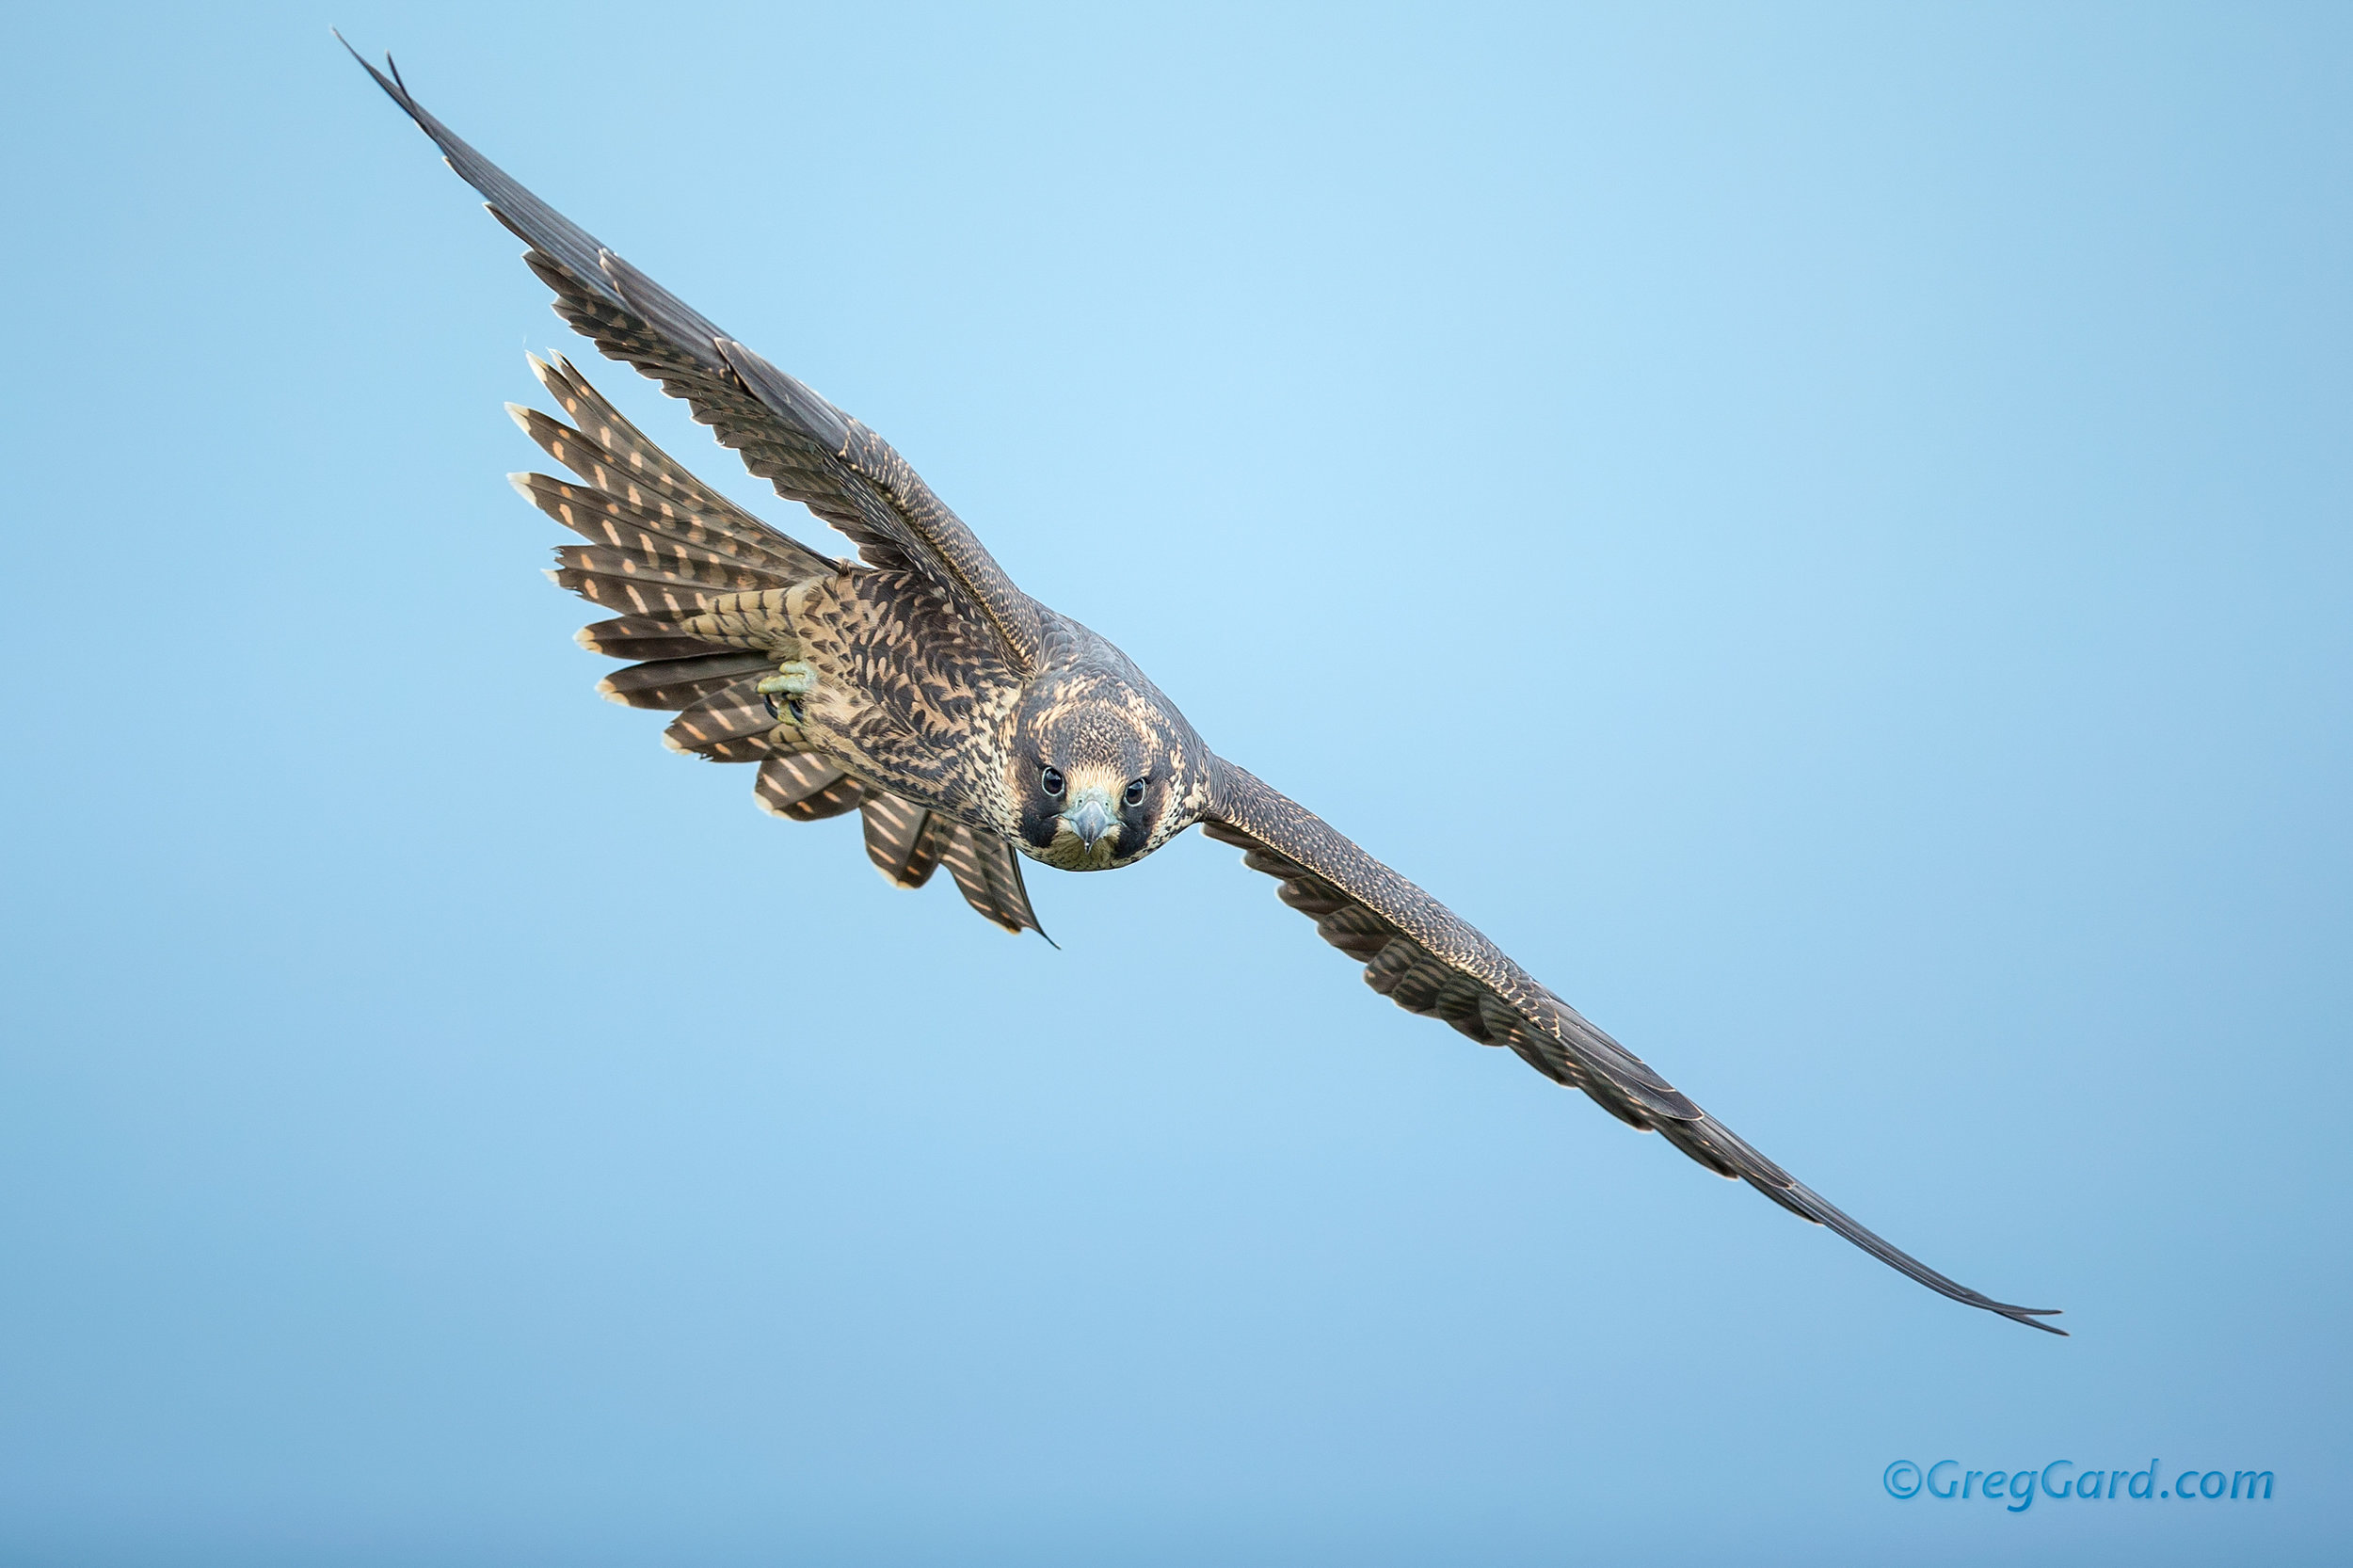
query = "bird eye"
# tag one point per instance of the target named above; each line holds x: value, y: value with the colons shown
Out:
x: 1133, y: 795
x: 1051, y: 780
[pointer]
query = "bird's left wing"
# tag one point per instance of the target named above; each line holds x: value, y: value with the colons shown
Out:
x: 1428, y: 960
x: 809, y: 449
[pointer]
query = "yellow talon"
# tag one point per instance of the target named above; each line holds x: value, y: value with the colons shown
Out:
x: 783, y: 691
x: 791, y: 679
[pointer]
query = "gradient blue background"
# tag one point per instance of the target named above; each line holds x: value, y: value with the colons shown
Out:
x: 1825, y: 533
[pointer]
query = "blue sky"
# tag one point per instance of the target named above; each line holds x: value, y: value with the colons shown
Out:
x: 1823, y: 531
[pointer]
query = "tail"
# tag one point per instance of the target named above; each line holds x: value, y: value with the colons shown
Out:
x: 701, y: 584
x: 906, y: 842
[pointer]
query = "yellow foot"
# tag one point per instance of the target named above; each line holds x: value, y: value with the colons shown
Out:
x: 792, y: 681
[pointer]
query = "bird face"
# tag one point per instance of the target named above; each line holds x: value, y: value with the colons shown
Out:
x: 1098, y: 769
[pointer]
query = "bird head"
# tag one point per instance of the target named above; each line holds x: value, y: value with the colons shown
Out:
x: 1103, y: 771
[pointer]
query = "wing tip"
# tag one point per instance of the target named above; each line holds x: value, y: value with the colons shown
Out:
x: 395, y: 89
x: 2029, y: 1315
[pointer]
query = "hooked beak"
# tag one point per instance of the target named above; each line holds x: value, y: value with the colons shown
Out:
x: 1090, y: 815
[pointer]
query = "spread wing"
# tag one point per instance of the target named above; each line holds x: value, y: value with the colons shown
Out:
x: 809, y: 449
x: 1426, y: 959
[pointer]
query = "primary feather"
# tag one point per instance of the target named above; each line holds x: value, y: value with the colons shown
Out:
x: 965, y: 723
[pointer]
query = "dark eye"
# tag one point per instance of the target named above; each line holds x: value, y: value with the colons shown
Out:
x: 1133, y: 795
x: 1050, y: 781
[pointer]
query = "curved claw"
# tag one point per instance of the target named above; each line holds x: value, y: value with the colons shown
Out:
x: 792, y: 679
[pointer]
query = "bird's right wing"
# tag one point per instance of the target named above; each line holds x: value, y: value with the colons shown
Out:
x: 1429, y: 960
x: 809, y: 449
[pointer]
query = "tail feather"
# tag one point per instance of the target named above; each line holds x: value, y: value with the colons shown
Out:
x: 989, y: 874
x: 644, y: 637
x: 614, y: 456
x: 602, y: 517
x: 762, y: 619
x: 671, y: 565
x: 906, y: 841
x: 747, y: 748
x: 903, y: 840
x: 634, y: 596
x: 663, y: 547
x: 734, y: 618
x: 806, y: 789
x: 700, y: 586
x: 733, y: 716
x: 679, y: 682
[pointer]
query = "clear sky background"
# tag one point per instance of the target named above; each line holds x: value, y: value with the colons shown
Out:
x: 1823, y: 530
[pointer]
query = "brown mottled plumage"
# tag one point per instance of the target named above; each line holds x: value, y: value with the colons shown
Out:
x: 964, y: 721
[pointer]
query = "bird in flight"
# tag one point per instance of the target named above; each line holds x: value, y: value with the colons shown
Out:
x: 967, y: 724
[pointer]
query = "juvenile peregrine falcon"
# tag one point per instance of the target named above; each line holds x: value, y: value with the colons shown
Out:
x: 969, y: 724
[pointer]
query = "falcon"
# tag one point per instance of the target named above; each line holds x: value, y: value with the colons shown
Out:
x: 968, y: 725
